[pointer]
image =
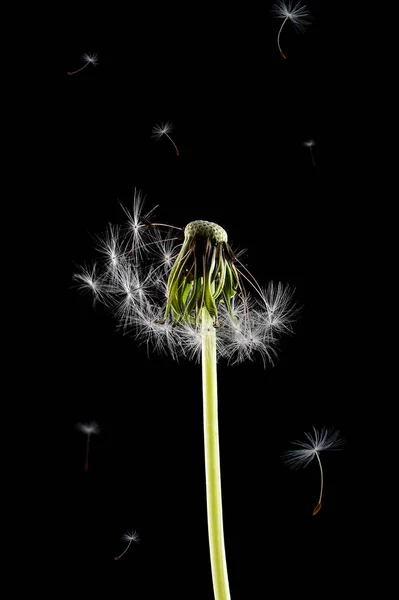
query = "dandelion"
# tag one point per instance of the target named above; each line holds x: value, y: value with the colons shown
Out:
x: 90, y: 59
x: 296, y: 13
x: 164, y: 129
x: 309, y: 144
x: 319, y: 440
x: 128, y: 537
x: 185, y: 292
x: 88, y: 429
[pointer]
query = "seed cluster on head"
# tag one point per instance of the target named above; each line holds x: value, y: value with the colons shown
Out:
x: 159, y: 279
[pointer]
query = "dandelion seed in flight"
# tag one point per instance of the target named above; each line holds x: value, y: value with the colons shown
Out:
x: 164, y: 129
x: 288, y: 11
x: 89, y: 429
x: 128, y: 537
x: 309, y: 144
x: 322, y: 439
x: 89, y: 59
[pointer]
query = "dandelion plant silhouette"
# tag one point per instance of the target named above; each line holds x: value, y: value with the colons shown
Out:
x: 185, y: 292
x: 319, y: 440
x: 309, y: 144
x: 296, y: 13
x: 88, y: 429
x: 90, y: 59
x: 129, y: 537
x: 164, y: 129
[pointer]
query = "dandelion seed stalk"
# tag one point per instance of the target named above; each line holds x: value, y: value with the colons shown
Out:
x: 199, y: 280
x: 87, y: 452
x: 292, y: 11
x: 212, y: 460
x: 90, y: 59
x: 278, y: 39
x: 318, y: 505
x: 88, y: 429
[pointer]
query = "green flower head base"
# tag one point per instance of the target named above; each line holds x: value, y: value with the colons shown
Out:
x: 203, y: 274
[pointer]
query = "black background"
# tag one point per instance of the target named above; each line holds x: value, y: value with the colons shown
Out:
x: 240, y: 115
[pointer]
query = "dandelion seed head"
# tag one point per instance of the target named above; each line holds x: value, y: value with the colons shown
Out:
x: 317, y: 441
x: 309, y: 143
x: 163, y: 129
x: 131, y: 536
x: 158, y: 287
x: 91, y: 58
x: 297, y: 13
x: 89, y: 428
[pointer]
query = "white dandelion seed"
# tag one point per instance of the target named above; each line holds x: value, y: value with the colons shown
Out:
x: 109, y: 246
x: 297, y: 13
x: 164, y: 250
x: 88, y: 429
x: 90, y: 59
x: 151, y: 329
x: 309, y: 144
x: 245, y: 338
x: 88, y: 280
x: 318, y: 441
x: 129, y: 537
x: 158, y: 131
x: 131, y: 291
x: 280, y: 308
x: 138, y: 226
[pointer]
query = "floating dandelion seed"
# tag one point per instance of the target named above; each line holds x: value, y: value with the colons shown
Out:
x: 164, y: 129
x: 128, y: 537
x: 309, y: 144
x: 90, y: 59
x: 88, y: 429
x: 185, y: 292
x: 319, y: 440
x: 296, y: 13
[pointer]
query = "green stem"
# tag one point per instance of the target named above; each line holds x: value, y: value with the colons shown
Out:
x: 212, y: 460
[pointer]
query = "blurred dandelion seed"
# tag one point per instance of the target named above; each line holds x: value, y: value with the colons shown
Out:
x: 128, y: 537
x: 309, y: 144
x: 90, y: 59
x: 164, y: 129
x: 322, y: 439
x: 89, y: 429
x: 187, y: 295
x: 296, y: 13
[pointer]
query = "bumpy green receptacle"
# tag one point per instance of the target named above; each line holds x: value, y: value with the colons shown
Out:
x: 206, y: 229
